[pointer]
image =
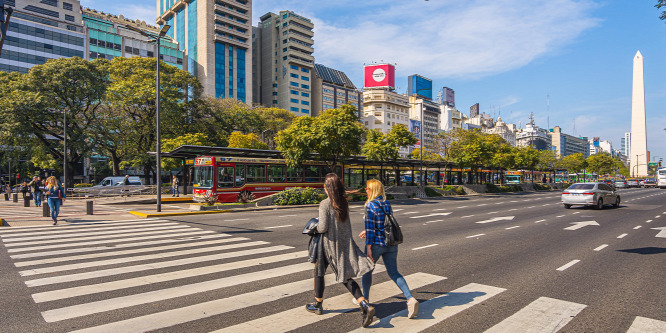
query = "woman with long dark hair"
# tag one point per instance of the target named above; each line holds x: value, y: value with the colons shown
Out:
x: 340, y: 250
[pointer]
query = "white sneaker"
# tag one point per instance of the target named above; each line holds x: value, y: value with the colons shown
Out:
x: 413, y: 309
x: 355, y: 301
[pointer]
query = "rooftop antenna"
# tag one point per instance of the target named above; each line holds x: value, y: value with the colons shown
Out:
x: 574, y: 128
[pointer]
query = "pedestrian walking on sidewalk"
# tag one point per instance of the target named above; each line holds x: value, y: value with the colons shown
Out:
x: 174, y: 187
x: 376, y: 243
x: 340, y: 250
x: 24, y: 189
x: 55, y: 195
x: 36, y: 186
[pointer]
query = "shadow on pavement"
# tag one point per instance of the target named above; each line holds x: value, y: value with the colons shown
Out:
x: 646, y: 250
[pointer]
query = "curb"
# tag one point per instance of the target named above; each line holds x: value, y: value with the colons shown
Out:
x: 149, y: 215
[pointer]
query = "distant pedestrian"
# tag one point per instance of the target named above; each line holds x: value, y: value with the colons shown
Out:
x: 376, y: 209
x: 55, y: 196
x: 36, y: 187
x: 126, y: 180
x: 174, y: 187
x: 340, y: 250
x: 24, y: 189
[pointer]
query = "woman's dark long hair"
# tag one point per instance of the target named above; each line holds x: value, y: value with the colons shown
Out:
x: 336, y: 192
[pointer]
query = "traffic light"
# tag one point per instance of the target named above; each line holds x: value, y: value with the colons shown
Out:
x: 18, y: 176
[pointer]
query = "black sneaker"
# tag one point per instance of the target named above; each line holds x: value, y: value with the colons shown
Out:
x: 316, y: 308
x: 368, y: 312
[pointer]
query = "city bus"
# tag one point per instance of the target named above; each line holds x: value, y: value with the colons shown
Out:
x: 232, y: 178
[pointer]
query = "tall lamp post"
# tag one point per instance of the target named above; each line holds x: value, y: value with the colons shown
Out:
x: 64, y: 149
x: 422, y: 143
x: 158, y: 181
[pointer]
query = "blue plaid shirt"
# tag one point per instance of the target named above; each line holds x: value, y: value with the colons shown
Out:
x: 374, y: 221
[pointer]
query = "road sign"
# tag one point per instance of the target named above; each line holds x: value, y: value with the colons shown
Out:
x: 652, y: 164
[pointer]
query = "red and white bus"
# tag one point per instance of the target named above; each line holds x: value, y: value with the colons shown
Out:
x: 229, y: 178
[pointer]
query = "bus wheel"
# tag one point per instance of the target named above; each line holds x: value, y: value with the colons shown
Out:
x: 245, y: 196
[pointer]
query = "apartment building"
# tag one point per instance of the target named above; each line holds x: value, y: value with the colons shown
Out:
x: 40, y: 30
x: 565, y: 144
x: 431, y: 117
x: 331, y: 89
x: 283, y: 62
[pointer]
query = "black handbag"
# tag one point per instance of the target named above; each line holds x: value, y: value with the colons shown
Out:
x: 311, y: 227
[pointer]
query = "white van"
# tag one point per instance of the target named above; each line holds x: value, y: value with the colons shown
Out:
x: 109, y: 181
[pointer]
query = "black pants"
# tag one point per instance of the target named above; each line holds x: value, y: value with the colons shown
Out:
x: 319, y: 283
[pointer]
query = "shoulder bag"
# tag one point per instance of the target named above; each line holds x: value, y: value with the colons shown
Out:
x: 311, y: 227
x: 392, y: 232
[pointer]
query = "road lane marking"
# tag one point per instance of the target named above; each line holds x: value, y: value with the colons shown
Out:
x: 539, y: 221
x: 468, y: 206
x: 279, y: 226
x: 297, y: 215
x: 150, y: 266
x: 495, y: 219
x: 578, y: 225
x: 424, y: 247
x: 481, y: 205
x: 479, y: 235
x: 234, y: 220
x: 543, y: 315
x: 560, y: 216
x: 159, y: 278
x: 397, y: 210
x: 514, y: 227
x: 622, y: 236
x: 435, y: 221
x: 571, y: 263
x: 50, y: 228
x: 208, y: 309
x: 575, y: 213
x: 513, y: 201
x: 337, y: 305
x: 658, y: 216
x: 434, y: 210
x: 601, y: 247
x: 79, y: 233
x: 492, y: 213
x: 637, y: 227
x: 410, y: 213
x: 512, y: 209
x: 467, y: 216
x: 429, y: 215
x: 647, y: 325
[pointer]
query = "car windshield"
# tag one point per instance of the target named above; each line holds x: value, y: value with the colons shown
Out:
x: 581, y: 187
x: 619, y: 182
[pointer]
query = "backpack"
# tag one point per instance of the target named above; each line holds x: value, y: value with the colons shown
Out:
x: 392, y: 232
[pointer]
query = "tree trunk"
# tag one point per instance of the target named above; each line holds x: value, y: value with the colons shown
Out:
x: 115, y: 161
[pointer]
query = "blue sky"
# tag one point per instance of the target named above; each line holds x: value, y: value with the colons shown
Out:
x: 507, y: 55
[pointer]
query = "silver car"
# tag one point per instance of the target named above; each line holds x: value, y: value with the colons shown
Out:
x: 590, y: 194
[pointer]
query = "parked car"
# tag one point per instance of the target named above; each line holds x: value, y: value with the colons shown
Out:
x: 610, y: 182
x: 650, y: 182
x: 621, y: 184
x: 633, y: 183
x: 590, y: 194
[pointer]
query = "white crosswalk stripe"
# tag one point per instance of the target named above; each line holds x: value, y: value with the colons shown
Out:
x: 99, y: 270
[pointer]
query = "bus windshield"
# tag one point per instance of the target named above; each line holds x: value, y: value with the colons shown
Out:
x: 662, y: 173
x: 203, y: 176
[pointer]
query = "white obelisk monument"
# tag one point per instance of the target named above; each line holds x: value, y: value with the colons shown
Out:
x: 638, y: 159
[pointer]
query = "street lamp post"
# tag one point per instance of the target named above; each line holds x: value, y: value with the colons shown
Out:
x: 64, y: 149
x: 422, y: 143
x: 158, y: 181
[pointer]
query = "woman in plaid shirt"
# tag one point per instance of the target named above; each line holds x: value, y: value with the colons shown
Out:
x: 375, y: 243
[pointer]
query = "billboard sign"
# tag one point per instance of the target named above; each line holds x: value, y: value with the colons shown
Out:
x: 420, y: 86
x: 449, y: 96
x: 415, y: 127
x: 379, y: 76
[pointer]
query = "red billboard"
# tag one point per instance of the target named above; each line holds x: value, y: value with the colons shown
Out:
x: 380, y: 76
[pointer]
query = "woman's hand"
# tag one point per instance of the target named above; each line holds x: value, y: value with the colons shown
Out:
x: 362, y: 235
x: 368, y: 252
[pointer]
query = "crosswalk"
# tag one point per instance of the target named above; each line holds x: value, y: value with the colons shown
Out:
x: 18, y: 211
x: 151, y: 274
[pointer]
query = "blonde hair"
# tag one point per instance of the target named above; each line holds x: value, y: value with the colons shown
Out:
x: 51, y: 182
x: 376, y: 189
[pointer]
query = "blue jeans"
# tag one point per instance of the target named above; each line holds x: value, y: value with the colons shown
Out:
x: 54, y: 204
x: 389, y: 255
x: 38, y: 198
x: 174, y: 190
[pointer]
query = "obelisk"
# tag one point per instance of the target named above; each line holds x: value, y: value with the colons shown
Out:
x: 638, y: 159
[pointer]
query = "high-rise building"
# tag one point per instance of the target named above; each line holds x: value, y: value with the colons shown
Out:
x: 283, y: 62
x: 332, y: 88
x: 429, y: 125
x: 384, y: 108
x: 565, y: 144
x: 419, y: 86
x: 534, y: 136
x: 474, y: 110
x: 108, y: 37
x: 40, y: 30
x: 625, y: 144
x: 217, y: 41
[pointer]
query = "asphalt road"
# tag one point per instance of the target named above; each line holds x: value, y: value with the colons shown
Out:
x: 505, y: 263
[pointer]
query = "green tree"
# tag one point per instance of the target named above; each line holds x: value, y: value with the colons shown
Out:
x: 661, y: 3
x: 131, y: 94
x: 250, y: 141
x: 574, y: 163
x: 334, y: 135
x: 193, y: 139
x: 386, y: 147
x: 601, y: 163
x: 273, y: 120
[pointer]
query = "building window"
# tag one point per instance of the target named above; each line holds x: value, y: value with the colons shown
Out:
x: 305, y: 70
x: 293, y: 66
x: 305, y: 86
x: 42, y: 11
x: 304, y: 94
x: 294, y: 84
x: 295, y: 109
x: 53, y: 3
x: 305, y: 78
x: 293, y: 100
x: 293, y: 75
x: 294, y: 92
x: 67, y: 6
x: 305, y: 110
x: 305, y: 102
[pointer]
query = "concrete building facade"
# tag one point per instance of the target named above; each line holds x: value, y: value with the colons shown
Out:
x: 283, y: 62
x: 383, y: 109
x: 40, y: 30
x: 534, y: 136
x: 108, y: 38
x: 625, y: 144
x: 216, y: 37
x: 565, y: 144
x: 506, y: 131
x: 331, y: 89
x: 431, y: 118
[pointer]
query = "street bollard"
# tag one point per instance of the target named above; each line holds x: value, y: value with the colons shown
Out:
x: 15, y: 197
x: 26, y: 201
x: 6, y: 196
x: 89, y: 207
x: 46, y: 212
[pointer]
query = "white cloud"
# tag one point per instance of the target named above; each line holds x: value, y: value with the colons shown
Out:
x: 452, y: 39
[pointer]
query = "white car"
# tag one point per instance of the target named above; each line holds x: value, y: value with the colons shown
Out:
x: 590, y: 194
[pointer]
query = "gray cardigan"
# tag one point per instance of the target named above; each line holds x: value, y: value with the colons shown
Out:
x: 344, y: 257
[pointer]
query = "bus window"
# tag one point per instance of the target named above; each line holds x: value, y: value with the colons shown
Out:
x: 225, y: 177
x: 203, y: 177
x: 240, y: 175
x: 276, y: 173
x: 256, y: 173
x: 312, y: 174
x: 294, y: 174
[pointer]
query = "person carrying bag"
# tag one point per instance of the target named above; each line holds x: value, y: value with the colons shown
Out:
x: 340, y: 252
x: 378, y: 212
x: 55, y: 196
